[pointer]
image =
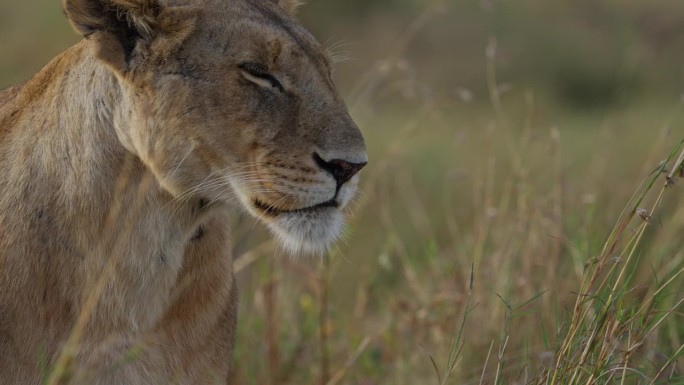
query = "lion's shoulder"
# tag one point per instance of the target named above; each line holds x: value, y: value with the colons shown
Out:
x: 18, y: 100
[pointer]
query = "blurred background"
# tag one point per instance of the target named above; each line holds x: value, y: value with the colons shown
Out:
x: 505, y: 139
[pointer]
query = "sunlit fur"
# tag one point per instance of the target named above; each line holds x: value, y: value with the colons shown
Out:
x: 119, y: 164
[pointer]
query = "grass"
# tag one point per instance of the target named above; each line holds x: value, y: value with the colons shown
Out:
x: 609, y: 324
x: 492, y: 245
x: 474, y: 259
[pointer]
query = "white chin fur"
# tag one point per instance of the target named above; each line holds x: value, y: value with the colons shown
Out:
x: 308, y: 233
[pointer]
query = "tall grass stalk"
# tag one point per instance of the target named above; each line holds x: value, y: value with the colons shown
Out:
x: 607, y: 328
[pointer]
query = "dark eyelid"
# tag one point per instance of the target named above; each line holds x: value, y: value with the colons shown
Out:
x: 254, y: 69
x: 260, y: 71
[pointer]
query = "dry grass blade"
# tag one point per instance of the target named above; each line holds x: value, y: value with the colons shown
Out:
x: 603, y: 313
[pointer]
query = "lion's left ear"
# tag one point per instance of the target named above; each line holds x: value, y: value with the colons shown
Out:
x: 289, y: 5
x: 117, y: 26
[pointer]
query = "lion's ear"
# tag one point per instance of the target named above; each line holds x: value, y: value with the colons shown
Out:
x: 116, y: 25
x: 290, y: 5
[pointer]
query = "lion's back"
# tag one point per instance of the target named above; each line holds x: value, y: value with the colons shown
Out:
x: 8, y: 94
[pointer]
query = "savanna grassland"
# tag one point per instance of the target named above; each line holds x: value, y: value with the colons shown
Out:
x: 522, y: 216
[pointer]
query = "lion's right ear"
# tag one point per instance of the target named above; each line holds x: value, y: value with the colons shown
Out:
x: 118, y: 26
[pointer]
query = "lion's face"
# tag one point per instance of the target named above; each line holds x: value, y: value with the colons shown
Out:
x: 234, y: 102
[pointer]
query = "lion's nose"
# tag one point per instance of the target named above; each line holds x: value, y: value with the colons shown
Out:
x: 340, y: 169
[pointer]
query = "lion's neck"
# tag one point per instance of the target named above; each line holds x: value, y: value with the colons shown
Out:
x: 62, y: 132
x: 84, y: 198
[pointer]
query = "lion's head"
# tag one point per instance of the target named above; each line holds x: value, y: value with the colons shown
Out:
x: 231, y: 100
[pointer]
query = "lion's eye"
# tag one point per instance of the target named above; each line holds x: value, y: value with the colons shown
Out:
x: 258, y: 74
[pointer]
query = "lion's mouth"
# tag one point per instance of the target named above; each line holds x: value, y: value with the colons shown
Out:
x: 271, y: 210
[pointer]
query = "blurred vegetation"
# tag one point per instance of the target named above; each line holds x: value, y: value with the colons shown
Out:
x: 505, y: 138
x: 584, y: 54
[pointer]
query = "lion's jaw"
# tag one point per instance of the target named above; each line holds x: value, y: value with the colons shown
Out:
x: 308, y: 228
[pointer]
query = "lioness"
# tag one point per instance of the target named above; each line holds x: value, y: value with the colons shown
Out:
x: 118, y: 163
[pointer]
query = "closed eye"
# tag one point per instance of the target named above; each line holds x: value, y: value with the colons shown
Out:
x: 258, y: 74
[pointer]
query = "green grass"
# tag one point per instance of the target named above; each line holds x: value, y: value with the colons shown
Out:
x: 534, y: 208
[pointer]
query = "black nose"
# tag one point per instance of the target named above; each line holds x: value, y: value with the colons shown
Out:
x: 340, y: 169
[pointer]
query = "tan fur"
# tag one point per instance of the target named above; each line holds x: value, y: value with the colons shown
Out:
x: 121, y: 159
x: 290, y: 6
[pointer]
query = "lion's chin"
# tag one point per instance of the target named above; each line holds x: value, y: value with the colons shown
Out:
x: 308, y: 233
x: 309, y: 230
